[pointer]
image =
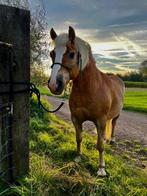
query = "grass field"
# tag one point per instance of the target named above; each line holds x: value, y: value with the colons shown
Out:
x: 54, y: 171
x: 136, y: 100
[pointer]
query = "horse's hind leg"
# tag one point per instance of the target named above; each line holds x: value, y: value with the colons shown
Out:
x: 112, y: 141
x: 100, y: 146
x: 78, y: 128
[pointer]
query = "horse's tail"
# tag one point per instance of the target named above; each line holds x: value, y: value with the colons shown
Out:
x: 108, y: 130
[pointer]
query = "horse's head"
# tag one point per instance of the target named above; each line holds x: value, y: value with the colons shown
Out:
x: 68, y: 57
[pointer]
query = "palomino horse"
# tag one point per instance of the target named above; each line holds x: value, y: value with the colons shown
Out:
x: 95, y: 96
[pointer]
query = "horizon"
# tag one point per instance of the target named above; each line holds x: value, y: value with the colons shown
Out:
x: 118, y: 40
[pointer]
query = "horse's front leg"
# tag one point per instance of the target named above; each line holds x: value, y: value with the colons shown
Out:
x: 78, y: 128
x: 100, y: 146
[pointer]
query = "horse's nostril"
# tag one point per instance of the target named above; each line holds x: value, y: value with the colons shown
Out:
x: 60, y: 84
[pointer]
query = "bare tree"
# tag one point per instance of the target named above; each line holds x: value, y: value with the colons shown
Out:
x: 39, y: 40
x: 24, y: 4
x: 39, y: 37
x: 38, y: 31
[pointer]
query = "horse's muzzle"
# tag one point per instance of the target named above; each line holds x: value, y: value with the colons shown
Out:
x: 58, y: 87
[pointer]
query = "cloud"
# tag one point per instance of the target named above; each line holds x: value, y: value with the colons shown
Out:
x: 70, y: 23
x: 115, y: 29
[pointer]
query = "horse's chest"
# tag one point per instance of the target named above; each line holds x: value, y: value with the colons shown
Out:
x: 81, y: 107
x: 77, y: 101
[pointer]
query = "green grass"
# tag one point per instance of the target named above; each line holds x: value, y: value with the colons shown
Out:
x: 44, y: 90
x: 135, y: 84
x: 136, y: 100
x: 54, y: 171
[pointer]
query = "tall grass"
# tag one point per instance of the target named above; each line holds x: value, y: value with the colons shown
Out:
x: 55, y: 171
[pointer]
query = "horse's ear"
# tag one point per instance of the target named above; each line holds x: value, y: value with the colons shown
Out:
x: 71, y: 34
x: 53, y: 34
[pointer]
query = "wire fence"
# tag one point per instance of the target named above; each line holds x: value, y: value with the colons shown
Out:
x: 6, y: 139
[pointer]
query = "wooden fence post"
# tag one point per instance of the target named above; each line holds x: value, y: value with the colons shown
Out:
x: 15, y: 29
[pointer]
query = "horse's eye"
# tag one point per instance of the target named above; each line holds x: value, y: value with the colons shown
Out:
x: 71, y: 55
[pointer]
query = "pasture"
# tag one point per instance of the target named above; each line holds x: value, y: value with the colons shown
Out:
x: 136, y: 100
x: 54, y: 170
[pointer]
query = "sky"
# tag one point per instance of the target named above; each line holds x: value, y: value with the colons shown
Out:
x: 115, y: 29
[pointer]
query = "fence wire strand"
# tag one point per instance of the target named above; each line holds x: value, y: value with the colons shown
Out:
x: 4, y: 128
x: 5, y: 154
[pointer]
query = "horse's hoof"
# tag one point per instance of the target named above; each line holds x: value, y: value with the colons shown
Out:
x: 112, y: 141
x: 78, y: 159
x: 101, y: 172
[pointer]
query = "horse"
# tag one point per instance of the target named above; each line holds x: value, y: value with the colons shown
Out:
x: 95, y: 96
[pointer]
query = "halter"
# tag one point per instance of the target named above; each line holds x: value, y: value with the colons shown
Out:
x: 58, y: 64
x: 79, y: 62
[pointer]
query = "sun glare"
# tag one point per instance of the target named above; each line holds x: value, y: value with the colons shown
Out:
x: 105, y: 46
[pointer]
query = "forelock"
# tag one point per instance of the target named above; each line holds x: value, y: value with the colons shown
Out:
x: 61, y: 40
x: 82, y: 46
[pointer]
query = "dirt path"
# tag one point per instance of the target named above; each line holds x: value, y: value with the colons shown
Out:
x: 130, y: 125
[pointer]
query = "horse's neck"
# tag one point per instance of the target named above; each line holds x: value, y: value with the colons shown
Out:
x: 86, y: 79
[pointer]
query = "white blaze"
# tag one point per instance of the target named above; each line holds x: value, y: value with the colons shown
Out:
x: 58, y: 59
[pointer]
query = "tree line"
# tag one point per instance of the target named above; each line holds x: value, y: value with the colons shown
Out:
x: 133, y: 76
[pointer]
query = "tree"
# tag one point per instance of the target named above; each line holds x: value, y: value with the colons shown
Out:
x: 39, y: 43
x: 132, y: 76
x: 39, y: 40
x: 16, y: 3
x: 39, y: 37
x: 143, y: 68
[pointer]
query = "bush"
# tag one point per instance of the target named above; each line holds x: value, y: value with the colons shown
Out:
x: 135, y: 84
x: 132, y: 76
x: 38, y: 76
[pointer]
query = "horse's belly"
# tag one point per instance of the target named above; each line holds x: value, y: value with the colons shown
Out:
x: 80, y: 113
x: 88, y: 112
